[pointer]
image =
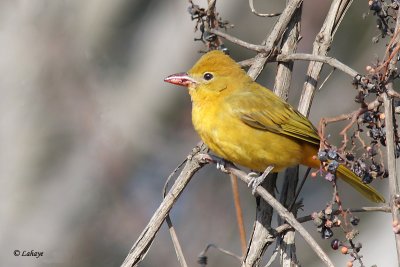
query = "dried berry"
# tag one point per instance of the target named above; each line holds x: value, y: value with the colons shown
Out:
x: 326, y: 233
x: 349, y: 156
x: 375, y: 5
x: 335, y: 244
x: 367, y: 178
x: 332, y: 166
x: 367, y: 117
x: 318, y: 221
x: 328, y: 210
x: 322, y: 156
x: 375, y: 167
x: 358, y: 247
x: 330, y: 177
x: 354, y: 220
x: 375, y: 133
x: 332, y: 154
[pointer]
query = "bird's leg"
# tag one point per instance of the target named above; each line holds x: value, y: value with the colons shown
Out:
x: 256, y: 180
x: 221, y: 165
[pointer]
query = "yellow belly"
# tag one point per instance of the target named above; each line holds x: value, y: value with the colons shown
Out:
x: 235, y: 141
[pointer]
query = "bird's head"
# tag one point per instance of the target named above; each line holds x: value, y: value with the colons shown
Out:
x: 212, y: 74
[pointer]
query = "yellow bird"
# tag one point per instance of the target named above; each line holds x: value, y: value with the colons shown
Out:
x: 244, y: 122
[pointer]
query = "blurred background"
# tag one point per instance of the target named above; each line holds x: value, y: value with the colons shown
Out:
x: 89, y: 131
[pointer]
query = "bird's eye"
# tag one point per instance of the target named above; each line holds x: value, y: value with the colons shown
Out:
x: 208, y: 76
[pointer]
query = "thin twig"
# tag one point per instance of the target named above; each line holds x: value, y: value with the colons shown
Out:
x: 274, y: 37
x: 326, y: 79
x: 175, y: 242
x: 352, y: 116
x: 303, y: 181
x: 174, y: 236
x: 203, y: 253
x: 239, y: 214
x: 253, y: 10
x: 286, y: 227
x: 257, y: 48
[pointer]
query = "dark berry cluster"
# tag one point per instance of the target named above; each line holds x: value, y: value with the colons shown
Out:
x: 370, y: 166
x: 330, y: 162
x: 325, y: 220
x: 207, y: 19
x: 371, y: 130
x: 385, y: 12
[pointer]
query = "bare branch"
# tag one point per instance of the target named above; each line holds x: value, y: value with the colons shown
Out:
x: 321, y: 46
x: 257, y: 48
x: 257, y: 244
x: 286, y: 243
x: 284, y: 214
x: 393, y: 176
x: 319, y: 58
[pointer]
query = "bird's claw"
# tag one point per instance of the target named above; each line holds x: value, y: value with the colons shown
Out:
x: 256, y: 180
x: 204, y: 157
x: 221, y: 166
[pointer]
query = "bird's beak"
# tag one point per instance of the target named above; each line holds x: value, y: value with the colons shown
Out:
x: 182, y: 79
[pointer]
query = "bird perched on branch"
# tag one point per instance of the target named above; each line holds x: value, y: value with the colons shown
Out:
x: 246, y: 123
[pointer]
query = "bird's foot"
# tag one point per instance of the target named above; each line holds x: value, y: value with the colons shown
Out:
x: 256, y: 180
x: 221, y: 166
x: 221, y: 163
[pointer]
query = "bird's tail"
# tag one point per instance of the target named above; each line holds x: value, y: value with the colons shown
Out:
x: 352, y: 179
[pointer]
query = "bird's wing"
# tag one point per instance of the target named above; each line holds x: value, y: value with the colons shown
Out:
x: 262, y: 109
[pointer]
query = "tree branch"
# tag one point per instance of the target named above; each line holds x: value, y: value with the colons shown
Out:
x: 284, y: 214
x: 391, y: 159
x: 142, y: 244
x: 321, y: 46
x: 257, y: 48
x: 318, y: 58
x: 390, y: 132
x: 262, y: 225
x: 286, y: 243
x: 273, y: 38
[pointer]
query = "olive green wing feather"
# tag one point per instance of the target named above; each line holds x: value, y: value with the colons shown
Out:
x: 263, y: 110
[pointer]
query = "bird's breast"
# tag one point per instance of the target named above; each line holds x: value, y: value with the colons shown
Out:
x: 228, y: 137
